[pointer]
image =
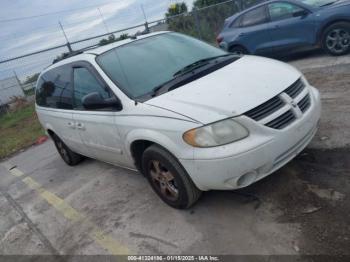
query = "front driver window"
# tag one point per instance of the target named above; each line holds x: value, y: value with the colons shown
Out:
x: 85, y: 83
x: 280, y: 11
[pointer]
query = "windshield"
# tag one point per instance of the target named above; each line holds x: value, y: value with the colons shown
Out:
x: 137, y: 68
x: 318, y: 3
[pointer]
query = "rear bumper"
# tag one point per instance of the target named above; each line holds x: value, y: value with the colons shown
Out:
x: 245, y: 162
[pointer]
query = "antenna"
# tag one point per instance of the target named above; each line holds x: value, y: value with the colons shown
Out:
x: 65, y: 36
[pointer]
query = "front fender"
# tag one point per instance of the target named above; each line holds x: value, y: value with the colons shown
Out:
x: 172, y: 142
x: 329, y: 21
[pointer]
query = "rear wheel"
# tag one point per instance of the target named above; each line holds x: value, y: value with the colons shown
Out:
x: 168, y: 178
x: 71, y: 158
x: 336, y: 39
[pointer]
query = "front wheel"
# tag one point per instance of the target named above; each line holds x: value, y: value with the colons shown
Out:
x: 336, y: 39
x: 168, y: 178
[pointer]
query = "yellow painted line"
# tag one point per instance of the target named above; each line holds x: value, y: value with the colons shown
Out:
x: 58, y: 203
x: 16, y: 172
x: 104, y: 240
x: 108, y: 242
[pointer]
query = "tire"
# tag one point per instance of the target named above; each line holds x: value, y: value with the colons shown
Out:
x: 239, y: 50
x: 69, y: 157
x: 168, y: 178
x: 336, y: 39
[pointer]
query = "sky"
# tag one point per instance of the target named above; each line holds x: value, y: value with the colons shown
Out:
x: 28, y: 26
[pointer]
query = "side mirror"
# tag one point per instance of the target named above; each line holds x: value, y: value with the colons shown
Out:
x: 95, y: 101
x: 301, y: 13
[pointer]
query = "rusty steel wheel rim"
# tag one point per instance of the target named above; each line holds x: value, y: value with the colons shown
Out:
x: 164, y: 180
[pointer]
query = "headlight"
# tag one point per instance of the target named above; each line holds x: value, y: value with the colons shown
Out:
x: 217, y: 134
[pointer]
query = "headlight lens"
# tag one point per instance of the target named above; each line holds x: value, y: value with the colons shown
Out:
x: 217, y: 134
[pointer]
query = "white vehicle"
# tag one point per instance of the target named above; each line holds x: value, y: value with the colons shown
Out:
x: 187, y: 115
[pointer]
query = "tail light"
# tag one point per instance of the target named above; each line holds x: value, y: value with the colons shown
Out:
x: 219, y: 39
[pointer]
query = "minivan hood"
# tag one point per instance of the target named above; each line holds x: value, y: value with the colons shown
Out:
x: 229, y: 91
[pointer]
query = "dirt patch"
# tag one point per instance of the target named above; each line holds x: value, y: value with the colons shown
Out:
x: 334, y: 85
x: 313, y: 191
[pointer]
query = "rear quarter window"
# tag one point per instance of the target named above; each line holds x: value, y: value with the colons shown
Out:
x: 54, y: 89
x: 236, y: 23
x: 256, y: 16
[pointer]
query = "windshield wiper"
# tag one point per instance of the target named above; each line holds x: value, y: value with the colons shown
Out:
x: 330, y: 3
x: 197, y: 64
x: 179, y: 76
x: 156, y: 89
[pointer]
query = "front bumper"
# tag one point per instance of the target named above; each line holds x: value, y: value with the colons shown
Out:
x: 245, y: 162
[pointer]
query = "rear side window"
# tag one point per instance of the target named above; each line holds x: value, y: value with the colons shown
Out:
x: 236, y: 23
x: 280, y: 11
x: 86, y: 83
x: 254, y: 17
x: 54, y: 89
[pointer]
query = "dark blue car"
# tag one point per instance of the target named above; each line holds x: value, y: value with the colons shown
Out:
x: 287, y: 25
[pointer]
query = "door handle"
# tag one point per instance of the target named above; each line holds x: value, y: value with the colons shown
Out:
x: 242, y: 34
x: 80, y: 126
x: 277, y: 26
x: 71, y: 125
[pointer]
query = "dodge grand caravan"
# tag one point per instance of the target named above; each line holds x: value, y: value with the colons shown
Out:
x: 189, y: 116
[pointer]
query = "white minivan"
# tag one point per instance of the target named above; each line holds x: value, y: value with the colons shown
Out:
x: 189, y: 116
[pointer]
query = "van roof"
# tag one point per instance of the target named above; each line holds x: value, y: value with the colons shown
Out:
x: 105, y: 48
x: 80, y: 55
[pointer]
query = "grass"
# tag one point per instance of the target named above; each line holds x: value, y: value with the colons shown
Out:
x: 19, y: 130
x: 29, y: 92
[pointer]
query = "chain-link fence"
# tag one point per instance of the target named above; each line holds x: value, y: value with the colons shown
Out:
x: 204, y: 23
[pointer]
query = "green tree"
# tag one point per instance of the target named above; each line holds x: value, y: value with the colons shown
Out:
x: 123, y: 36
x: 179, y: 20
x: 31, y: 79
x: 206, y: 18
x: 177, y: 9
x: 111, y: 39
x: 211, y: 20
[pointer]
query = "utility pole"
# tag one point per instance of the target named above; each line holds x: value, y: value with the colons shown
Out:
x: 18, y: 81
x: 145, y: 17
x: 144, y: 13
x: 103, y: 20
x: 65, y: 36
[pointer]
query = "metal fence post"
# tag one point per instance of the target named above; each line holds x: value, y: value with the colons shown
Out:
x: 146, y: 27
x: 242, y: 4
x: 19, y: 82
x: 197, y: 23
x: 235, y: 5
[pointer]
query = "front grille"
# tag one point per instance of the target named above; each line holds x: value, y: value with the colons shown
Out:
x: 265, y: 109
x: 305, y: 103
x: 282, y: 121
x: 287, y: 100
x: 294, y: 90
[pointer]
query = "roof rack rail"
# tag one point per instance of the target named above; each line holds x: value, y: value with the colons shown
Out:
x: 66, y: 55
x: 73, y: 53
